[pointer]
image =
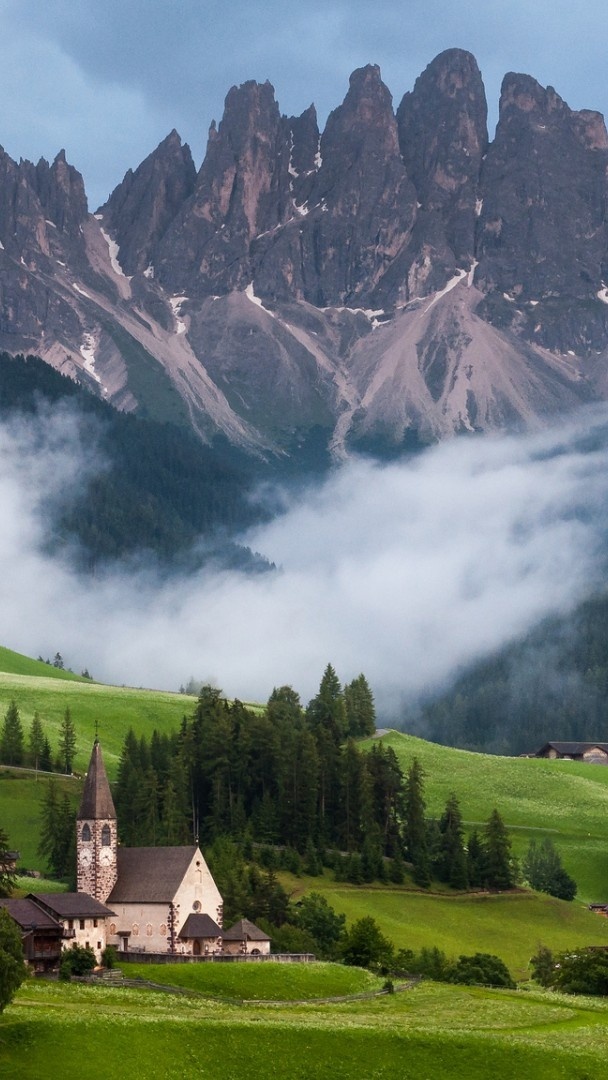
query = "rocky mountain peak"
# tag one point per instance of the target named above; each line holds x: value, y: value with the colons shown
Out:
x: 140, y: 210
x: 443, y: 137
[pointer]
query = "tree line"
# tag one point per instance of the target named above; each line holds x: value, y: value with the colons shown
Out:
x: 32, y: 748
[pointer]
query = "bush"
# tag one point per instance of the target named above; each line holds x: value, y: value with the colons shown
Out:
x: 109, y: 957
x: 481, y: 969
x: 79, y: 960
x: 582, y: 972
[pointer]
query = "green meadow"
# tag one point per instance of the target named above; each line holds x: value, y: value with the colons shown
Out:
x: 565, y: 800
x: 510, y: 925
x: 428, y: 1032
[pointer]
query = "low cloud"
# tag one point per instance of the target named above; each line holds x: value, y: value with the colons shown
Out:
x: 405, y: 571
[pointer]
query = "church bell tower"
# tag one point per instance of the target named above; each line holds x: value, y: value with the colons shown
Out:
x: 96, y: 833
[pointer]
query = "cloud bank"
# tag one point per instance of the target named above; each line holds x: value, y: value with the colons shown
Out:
x: 405, y: 571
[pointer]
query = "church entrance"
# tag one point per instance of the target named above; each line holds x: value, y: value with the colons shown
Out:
x: 196, y: 948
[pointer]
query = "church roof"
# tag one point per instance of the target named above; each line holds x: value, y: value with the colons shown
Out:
x: 199, y: 926
x: 97, y: 802
x: 71, y: 905
x: 244, y: 930
x: 150, y: 874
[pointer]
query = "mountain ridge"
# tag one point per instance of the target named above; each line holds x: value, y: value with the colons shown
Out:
x: 395, y: 278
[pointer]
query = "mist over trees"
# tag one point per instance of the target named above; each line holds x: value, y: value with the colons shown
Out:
x: 552, y: 685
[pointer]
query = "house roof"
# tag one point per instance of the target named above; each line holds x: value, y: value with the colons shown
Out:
x: 244, y: 930
x: 573, y: 747
x: 150, y: 874
x: 71, y: 905
x: 27, y: 914
x: 97, y: 802
x: 199, y: 926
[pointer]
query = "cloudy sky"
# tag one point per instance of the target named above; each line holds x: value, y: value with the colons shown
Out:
x: 108, y: 79
x: 405, y: 571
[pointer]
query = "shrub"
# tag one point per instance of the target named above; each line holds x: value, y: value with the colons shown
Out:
x: 481, y: 969
x: 78, y: 960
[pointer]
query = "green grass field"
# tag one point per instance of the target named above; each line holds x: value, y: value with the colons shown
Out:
x: 428, y: 1033
x: 565, y: 800
x: 510, y: 925
x: 261, y: 982
x: 114, y: 708
x: 23, y: 665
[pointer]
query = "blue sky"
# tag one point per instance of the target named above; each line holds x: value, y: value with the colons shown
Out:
x: 108, y: 79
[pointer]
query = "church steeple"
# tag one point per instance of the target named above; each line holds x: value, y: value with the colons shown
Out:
x: 97, y: 801
x: 96, y: 832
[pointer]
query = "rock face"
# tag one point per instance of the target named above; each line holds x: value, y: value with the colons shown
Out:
x: 393, y: 279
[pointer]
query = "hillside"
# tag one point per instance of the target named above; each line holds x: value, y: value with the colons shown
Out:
x: 15, y: 663
x: 565, y: 800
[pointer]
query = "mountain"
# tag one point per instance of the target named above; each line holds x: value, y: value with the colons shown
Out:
x: 393, y: 279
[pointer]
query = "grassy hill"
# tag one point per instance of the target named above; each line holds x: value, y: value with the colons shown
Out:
x: 82, y: 1033
x: 565, y: 800
x: 510, y: 925
x: 114, y: 708
x: 17, y: 664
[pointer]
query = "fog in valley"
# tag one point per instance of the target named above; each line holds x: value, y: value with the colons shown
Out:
x: 404, y: 571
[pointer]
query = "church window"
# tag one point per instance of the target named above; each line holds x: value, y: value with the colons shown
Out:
x: 112, y: 927
x: 106, y: 836
x: 149, y: 930
x: 135, y: 929
x: 86, y: 833
x: 197, y: 905
x: 163, y: 928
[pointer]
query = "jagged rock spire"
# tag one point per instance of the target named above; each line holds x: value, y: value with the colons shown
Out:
x: 97, y: 801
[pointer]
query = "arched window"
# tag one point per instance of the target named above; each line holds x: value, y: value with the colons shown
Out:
x: 86, y: 833
x: 106, y: 836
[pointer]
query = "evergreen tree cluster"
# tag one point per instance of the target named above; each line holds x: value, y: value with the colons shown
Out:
x: 286, y: 775
x: 32, y: 748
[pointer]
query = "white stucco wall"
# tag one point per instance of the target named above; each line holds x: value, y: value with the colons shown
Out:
x: 94, y: 936
x: 149, y: 923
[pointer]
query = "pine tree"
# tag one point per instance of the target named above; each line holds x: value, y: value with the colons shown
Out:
x: 415, y: 831
x: 7, y: 874
x: 36, y: 741
x: 67, y: 742
x: 360, y: 708
x: 11, y: 738
x: 499, y: 869
x: 452, y: 861
x: 57, y: 831
x: 542, y: 867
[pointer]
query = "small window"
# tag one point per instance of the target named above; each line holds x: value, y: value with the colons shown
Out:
x: 106, y: 836
x: 149, y: 930
x: 197, y: 905
x: 112, y: 928
x: 99, y: 944
x: 82, y: 924
x: 135, y: 929
x: 163, y: 928
x: 70, y: 924
x: 86, y: 833
x: 95, y: 922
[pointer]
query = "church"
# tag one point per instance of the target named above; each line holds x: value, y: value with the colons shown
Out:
x: 155, y: 900
x: 160, y: 899
x: 151, y: 891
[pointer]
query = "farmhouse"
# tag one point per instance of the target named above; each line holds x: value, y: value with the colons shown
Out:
x: 593, y: 753
x: 41, y: 933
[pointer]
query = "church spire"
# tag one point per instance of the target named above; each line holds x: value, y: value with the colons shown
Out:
x: 97, y: 802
